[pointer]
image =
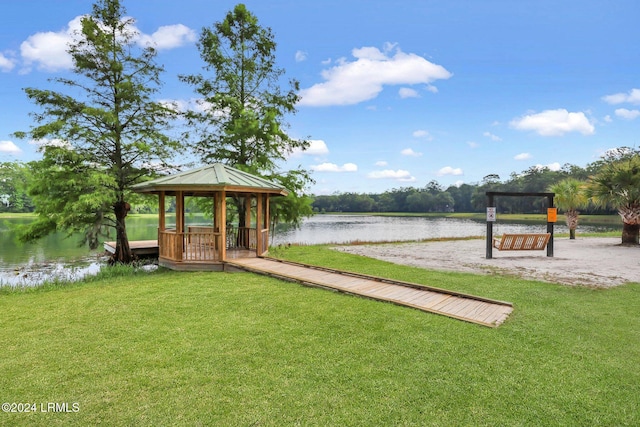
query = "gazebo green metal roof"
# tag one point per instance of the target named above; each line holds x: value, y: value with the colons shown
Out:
x: 216, y: 177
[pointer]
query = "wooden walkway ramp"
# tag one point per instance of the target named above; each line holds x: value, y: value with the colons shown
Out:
x: 469, y: 308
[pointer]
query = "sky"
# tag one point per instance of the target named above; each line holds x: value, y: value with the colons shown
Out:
x: 394, y: 93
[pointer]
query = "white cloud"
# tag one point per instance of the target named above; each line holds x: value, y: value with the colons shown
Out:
x: 332, y: 167
x: 301, y: 56
x: 627, y: 114
x: 421, y: 133
x: 448, y: 170
x: 349, y: 83
x: 381, y: 163
x: 554, y: 123
x: 406, y: 92
x: 432, y: 89
x: 317, y: 147
x: 473, y: 144
x: 168, y: 37
x: 522, y: 156
x: 399, y: 175
x: 410, y: 152
x: 48, y: 50
x: 6, y: 64
x: 608, y: 118
x: 632, y: 97
x: 9, y: 148
x: 492, y: 136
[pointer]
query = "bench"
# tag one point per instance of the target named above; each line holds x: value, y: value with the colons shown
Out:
x: 521, y: 242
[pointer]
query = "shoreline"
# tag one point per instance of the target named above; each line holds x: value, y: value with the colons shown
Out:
x: 599, y: 262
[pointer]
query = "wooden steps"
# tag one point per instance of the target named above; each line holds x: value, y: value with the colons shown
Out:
x: 460, y: 306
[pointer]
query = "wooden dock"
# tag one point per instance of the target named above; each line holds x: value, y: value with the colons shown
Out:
x: 138, y: 247
x: 460, y: 306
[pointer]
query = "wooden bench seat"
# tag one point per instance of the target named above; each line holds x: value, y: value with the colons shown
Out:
x: 521, y: 242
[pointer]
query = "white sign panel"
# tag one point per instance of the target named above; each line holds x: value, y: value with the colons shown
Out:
x: 491, y: 214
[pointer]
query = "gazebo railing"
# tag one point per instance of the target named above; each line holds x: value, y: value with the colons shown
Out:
x: 242, y: 238
x: 190, y: 246
x: 202, y: 243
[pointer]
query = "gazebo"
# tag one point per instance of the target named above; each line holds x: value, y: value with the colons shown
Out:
x: 206, y: 247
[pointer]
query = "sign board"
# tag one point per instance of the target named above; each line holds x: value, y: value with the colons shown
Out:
x: 552, y: 214
x: 491, y: 214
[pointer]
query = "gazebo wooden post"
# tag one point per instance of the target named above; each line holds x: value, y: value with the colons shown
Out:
x: 247, y: 221
x: 267, y: 219
x: 259, y: 225
x: 161, y: 212
x: 221, y: 213
x: 179, y: 223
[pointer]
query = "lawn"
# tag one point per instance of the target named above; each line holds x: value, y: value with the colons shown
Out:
x: 170, y: 348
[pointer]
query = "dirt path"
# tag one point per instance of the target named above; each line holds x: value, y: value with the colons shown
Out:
x: 597, y: 262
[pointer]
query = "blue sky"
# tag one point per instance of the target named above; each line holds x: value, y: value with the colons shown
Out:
x: 394, y: 93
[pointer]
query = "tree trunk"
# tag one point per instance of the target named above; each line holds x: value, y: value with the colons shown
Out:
x: 571, y: 216
x: 630, y: 233
x: 123, y: 253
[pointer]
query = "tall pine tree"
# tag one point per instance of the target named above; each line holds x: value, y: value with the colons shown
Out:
x: 242, y: 122
x: 109, y: 132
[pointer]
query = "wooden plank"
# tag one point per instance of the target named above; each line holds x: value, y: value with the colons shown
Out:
x: 449, y: 305
x: 457, y: 305
x: 387, y: 290
x: 489, y: 313
x: 473, y: 308
x: 425, y: 298
x: 440, y: 302
x: 403, y: 292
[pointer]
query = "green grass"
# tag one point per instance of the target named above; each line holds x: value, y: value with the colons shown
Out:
x: 172, y: 348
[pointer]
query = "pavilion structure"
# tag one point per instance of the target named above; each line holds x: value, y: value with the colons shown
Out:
x: 208, y: 246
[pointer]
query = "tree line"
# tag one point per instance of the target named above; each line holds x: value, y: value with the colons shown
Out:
x: 433, y: 197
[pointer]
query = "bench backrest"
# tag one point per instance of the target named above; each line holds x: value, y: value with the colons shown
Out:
x: 524, y: 242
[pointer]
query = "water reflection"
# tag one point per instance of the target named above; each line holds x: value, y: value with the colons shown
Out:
x: 38, y: 273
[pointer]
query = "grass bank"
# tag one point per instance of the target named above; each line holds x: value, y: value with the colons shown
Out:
x: 172, y: 348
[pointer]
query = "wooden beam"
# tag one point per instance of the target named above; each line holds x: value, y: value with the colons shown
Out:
x: 222, y: 203
x: 161, y: 210
x: 259, y: 224
x: 180, y: 212
x: 179, y: 223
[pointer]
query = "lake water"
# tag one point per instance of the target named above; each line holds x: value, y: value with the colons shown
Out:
x: 57, y: 256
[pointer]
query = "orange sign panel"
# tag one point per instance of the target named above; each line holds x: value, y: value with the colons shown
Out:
x: 552, y: 214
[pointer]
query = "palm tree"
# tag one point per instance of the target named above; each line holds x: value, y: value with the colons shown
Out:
x: 570, y: 196
x: 617, y: 184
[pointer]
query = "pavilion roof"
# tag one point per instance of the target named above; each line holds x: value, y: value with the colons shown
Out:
x: 211, y: 178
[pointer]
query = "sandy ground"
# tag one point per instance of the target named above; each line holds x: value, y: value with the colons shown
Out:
x: 595, y: 262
